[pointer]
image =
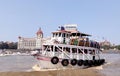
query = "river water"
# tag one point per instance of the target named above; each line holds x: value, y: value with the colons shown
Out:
x: 112, y: 65
x: 16, y: 63
x: 25, y: 63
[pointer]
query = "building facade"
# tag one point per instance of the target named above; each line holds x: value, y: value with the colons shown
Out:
x: 31, y: 43
x: 105, y: 43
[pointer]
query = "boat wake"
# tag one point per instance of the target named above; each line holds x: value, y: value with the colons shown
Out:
x: 36, y: 67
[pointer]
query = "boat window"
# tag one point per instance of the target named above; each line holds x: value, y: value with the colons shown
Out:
x: 63, y: 35
x: 49, y: 48
x: 56, y: 34
x: 80, y: 51
x: 85, y: 51
x: 78, y: 34
x: 59, y: 34
x: 67, y: 35
x: 44, y: 47
x: 52, y: 48
x: 64, y: 48
x: 68, y: 49
x: 74, y: 34
x: 56, y: 49
x: 90, y: 51
x: 60, y: 47
x: 74, y: 50
x: 93, y: 52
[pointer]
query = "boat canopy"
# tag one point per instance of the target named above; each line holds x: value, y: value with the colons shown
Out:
x: 77, y: 33
x: 71, y: 33
x: 61, y: 33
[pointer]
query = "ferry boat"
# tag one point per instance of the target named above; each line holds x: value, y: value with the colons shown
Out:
x: 68, y: 48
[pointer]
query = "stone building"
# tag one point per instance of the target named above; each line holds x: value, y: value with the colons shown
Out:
x: 105, y: 43
x: 31, y: 43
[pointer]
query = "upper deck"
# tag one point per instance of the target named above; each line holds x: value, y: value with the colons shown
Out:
x: 71, y: 36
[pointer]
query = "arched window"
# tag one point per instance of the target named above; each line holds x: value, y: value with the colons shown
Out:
x: 85, y: 51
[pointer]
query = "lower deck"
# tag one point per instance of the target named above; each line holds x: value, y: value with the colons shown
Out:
x: 70, y: 51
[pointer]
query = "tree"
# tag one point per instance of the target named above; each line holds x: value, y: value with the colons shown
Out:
x: 118, y: 47
x: 6, y: 45
x: 106, y: 47
x: 12, y: 45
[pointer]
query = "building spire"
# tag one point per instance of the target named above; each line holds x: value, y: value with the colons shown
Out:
x: 39, y: 28
x: 39, y: 31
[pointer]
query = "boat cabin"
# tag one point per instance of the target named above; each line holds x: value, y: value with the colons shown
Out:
x: 61, y: 36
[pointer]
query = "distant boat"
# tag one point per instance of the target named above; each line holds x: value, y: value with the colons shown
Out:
x: 68, y: 48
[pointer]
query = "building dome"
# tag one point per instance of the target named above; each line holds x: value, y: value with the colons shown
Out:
x: 19, y: 37
x: 39, y: 32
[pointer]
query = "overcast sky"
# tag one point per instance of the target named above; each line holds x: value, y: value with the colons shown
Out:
x: 100, y: 18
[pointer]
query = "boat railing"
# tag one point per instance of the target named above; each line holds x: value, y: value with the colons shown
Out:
x: 63, y: 52
x: 59, y: 51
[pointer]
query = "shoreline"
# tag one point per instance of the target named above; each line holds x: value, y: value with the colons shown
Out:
x: 63, y: 72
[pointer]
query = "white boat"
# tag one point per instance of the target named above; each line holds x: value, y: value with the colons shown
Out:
x: 68, y: 48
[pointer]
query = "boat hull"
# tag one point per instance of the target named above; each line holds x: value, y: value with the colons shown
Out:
x: 45, y: 63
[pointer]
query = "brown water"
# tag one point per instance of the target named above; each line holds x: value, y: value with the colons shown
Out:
x: 19, y: 63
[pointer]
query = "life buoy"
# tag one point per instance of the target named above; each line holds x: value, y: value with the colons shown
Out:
x: 80, y: 62
x: 95, y: 63
x: 98, y: 62
x: 102, y: 61
x: 73, y: 62
x: 65, y: 62
x: 85, y: 62
x: 54, y: 60
x: 90, y: 63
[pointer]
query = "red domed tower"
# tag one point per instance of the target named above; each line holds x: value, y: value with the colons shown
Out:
x: 39, y: 33
x: 39, y: 39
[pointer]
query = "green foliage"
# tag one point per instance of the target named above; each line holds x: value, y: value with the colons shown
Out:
x: 118, y: 47
x: 110, y: 47
x: 106, y: 47
x: 5, y: 45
